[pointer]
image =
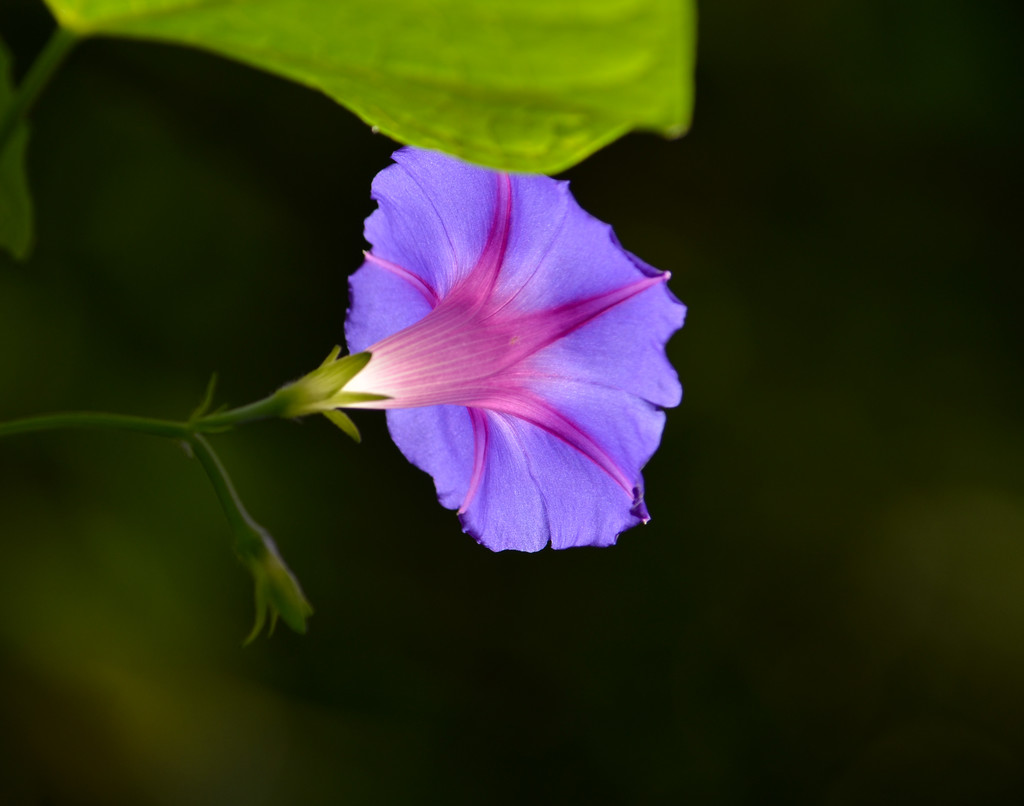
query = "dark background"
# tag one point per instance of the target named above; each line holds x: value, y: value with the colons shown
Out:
x: 827, y: 607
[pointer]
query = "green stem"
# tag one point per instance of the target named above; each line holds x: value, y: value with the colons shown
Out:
x: 35, y: 81
x: 250, y: 537
x: 268, y: 407
x: 271, y: 406
x: 88, y: 419
x: 249, y: 534
x: 277, y: 591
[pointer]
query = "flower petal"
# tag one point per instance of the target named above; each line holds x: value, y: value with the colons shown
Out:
x: 623, y: 348
x: 521, y: 479
x: 382, y: 302
x: 539, y: 207
x: 438, y: 440
x: 521, y: 347
x: 537, y: 488
x: 433, y: 217
x: 627, y: 429
x: 583, y: 259
x: 506, y: 511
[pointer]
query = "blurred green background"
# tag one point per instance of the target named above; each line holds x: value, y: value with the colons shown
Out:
x: 828, y: 606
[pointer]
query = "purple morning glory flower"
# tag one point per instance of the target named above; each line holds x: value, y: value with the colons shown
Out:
x: 521, y: 348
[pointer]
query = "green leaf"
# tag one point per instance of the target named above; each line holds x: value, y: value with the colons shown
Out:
x: 530, y: 85
x: 15, y: 202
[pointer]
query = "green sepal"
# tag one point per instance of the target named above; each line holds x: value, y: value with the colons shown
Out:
x: 331, y: 356
x: 344, y: 422
x: 207, y: 401
x: 341, y: 370
x: 321, y: 390
x: 351, y: 398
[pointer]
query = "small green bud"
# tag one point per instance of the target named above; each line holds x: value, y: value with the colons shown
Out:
x: 277, y: 591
